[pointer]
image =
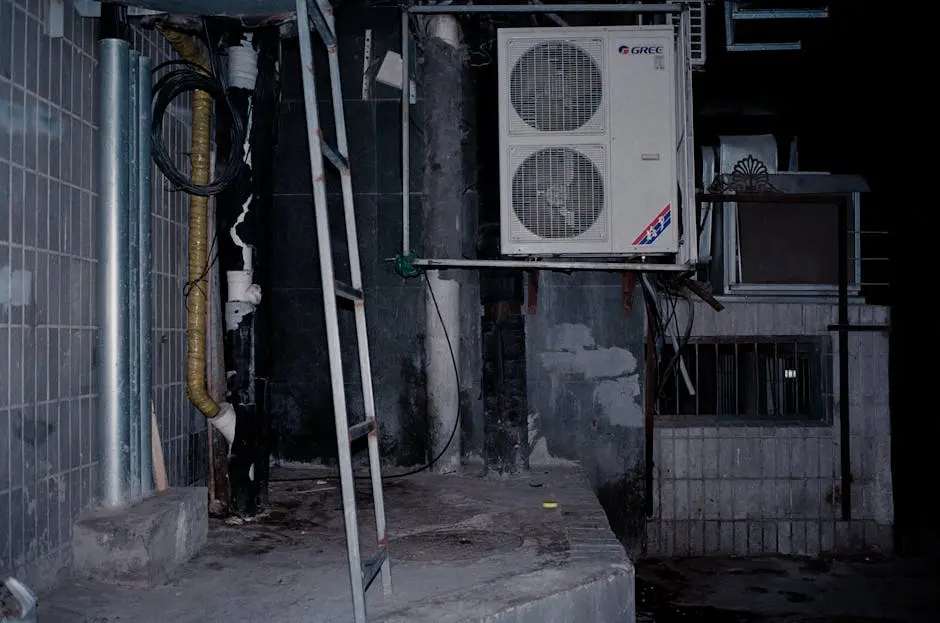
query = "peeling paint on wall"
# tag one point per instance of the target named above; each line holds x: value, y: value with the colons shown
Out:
x: 614, y: 369
x: 539, y: 454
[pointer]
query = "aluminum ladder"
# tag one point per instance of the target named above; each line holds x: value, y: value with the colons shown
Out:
x: 318, y: 14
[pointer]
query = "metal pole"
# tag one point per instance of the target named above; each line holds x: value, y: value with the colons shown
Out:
x: 845, y: 449
x: 145, y: 283
x: 405, y: 135
x: 548, y: 265
x: 133, y: 271
x: 112, y: 287
x: 545, y: 8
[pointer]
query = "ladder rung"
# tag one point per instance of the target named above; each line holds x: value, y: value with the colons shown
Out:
x: 346, y: 291
x: 334, y: 156
x: 371, y: 567
x: 319, y: 22
x: 360, y: 430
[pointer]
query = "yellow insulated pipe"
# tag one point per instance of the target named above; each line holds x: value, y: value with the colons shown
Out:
x: 222, y: 416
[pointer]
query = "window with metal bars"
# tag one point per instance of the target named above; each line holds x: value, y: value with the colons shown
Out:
x: 746, y: 378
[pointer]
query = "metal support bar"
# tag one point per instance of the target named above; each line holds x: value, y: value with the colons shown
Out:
x: 845, y: 450
x: 786, y: 46
x: 548, y: 265
x: 762, y: 14
x: 545, y: 8
x: 826, y: 198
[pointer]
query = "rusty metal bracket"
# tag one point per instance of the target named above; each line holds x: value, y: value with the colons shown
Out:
x: 628, y: 280
x: 532, y: 292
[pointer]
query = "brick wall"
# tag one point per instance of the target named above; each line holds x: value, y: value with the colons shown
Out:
x: 48, y: 329
x: 756, y: 489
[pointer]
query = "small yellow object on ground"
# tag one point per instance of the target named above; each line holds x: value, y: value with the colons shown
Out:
x: 549, y: 504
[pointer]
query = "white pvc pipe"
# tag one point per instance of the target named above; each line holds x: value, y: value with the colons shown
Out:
x: 443, y: 392
x: 445, y: 28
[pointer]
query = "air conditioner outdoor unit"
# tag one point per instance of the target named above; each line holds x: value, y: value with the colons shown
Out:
x: 588, y: 141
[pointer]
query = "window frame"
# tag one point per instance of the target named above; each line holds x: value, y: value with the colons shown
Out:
x: 732, y: 284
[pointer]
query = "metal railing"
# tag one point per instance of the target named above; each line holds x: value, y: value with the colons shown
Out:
x: 873, y: 279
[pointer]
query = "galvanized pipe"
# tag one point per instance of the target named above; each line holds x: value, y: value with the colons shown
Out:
x: 545, y: 8
x: 406, y: 135
x: 562, y: 265
x: 145, y: 283
x: 112, y: 286
x: 133, y: 270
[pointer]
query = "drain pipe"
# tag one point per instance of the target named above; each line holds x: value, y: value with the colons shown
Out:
x: 243, y: 296
x: 443, y: 224
x: 221, y: 416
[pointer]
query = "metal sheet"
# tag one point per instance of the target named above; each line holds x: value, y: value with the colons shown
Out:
x: 133, y: 270
x: 733, y: 149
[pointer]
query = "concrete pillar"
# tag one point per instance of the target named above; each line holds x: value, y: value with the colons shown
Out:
x: 443, y: 78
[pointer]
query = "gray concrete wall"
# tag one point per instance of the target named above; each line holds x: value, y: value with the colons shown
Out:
x: 749, y: 489
x: 48, y: 232
x: 585, y: 371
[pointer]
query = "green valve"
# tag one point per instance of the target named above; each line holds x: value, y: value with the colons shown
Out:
x: 404, y: 266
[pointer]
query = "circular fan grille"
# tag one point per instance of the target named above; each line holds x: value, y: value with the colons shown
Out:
x: 555, y: 87
x: 557, y: 192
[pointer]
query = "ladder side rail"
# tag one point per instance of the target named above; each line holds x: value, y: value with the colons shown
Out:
x: 327, y: 275
x: 365, y: 365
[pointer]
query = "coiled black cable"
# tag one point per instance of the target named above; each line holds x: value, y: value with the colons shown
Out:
x: 185, y: 77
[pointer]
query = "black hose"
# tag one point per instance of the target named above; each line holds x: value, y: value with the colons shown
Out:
x: 186, y: 77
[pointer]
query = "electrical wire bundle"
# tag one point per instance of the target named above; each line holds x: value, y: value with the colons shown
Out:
x: 183, y: 77
x: 662, y: 295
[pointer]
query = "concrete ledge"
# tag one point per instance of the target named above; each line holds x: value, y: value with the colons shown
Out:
x: 141, y: 545
x: 566, y: 594
x: 609, y: 598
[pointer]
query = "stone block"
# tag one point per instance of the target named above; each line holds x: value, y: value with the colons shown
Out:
x: 143, y: 544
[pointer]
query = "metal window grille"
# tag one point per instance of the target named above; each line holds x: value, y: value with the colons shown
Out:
x: 774, y: 378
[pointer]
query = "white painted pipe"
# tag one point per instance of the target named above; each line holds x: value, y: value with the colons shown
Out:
x: 445, y: 28
x: 443, y: 392
x: 442, y: 341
